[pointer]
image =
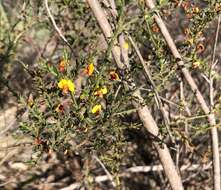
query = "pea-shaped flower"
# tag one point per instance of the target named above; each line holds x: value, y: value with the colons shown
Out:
x: 96, y: 109
x: 66, y: 86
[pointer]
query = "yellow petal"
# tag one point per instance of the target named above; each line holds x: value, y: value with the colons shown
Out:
x: 71, y: 86
x: 66, y: 85
x: 104, y: 90
x: 61, y: 83
x: 96, y: 109
x: 90, y: 69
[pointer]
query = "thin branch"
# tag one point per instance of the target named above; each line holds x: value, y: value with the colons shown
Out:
x: 216, y: 39
x: 182, y: 98
x: 105, y: 169
x: 212, y: 65
x: 211, y: 90
x: 55, y: 25
x: 192, y: 84
x: 169, y: 102
x: 184, y: 104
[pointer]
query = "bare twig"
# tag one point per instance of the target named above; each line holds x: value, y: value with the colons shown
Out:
x: 216, y: 39
x: 212, y: 65
x: 182, y: 98
x: 143, y: 111
x: 106, y: 171
x: 200, y: 99
x: 55, y: 25
x: 184, y: 104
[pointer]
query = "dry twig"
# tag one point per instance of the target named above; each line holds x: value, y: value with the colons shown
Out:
x: 55, y: 25
x: 106, y: 171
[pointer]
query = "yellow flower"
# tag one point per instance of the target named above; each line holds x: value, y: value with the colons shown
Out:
x: 100, y: 92
x: 66, y: 85
x: 96, y: 109
x: 89, y: 69
x: 104, y: 90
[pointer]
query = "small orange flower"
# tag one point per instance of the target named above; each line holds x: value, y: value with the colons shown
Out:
x: 89, y: 69
x: 200, y: 48
x: 63, y: 65
x: 155, y: 28
x: 114, y: 75
x: 101, y: 92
